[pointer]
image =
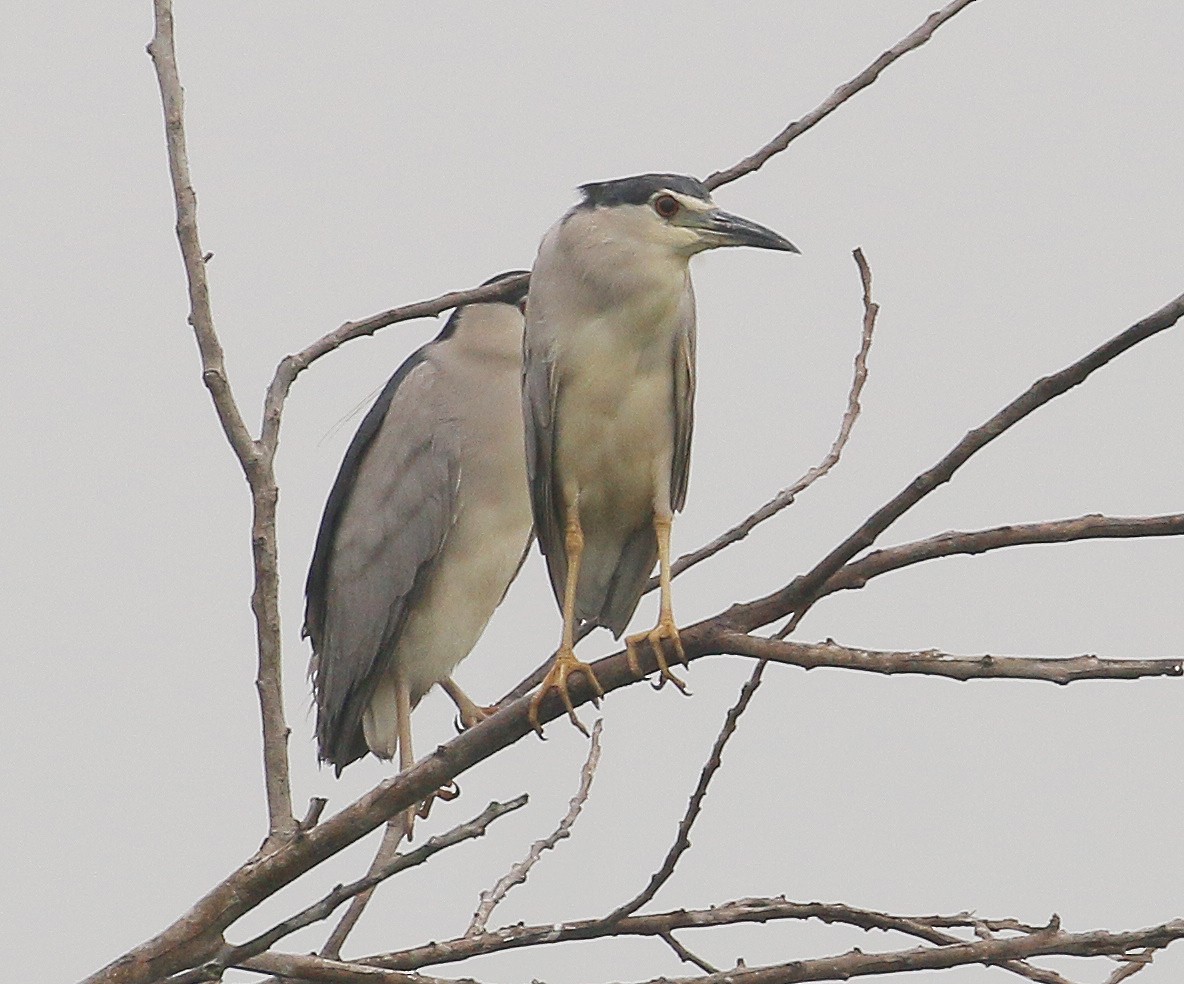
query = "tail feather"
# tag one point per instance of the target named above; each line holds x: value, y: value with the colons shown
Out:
x: 611, y: 599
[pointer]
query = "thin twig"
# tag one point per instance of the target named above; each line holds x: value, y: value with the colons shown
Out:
x: 392, y: 835
x: 844, y: 92
x: 517, y: 874
x: 695, y: 805
x: 686, y: 956
x: 316, y: 806
x: 256, y: 462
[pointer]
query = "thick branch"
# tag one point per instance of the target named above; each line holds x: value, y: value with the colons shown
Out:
x: 844, y: 92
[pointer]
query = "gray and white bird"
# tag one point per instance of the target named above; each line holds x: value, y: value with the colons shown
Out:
x: 426, y: 525
x: 608, y: 396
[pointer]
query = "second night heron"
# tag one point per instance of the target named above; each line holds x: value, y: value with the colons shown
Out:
x: 608, y: 393
x: 424, y: 529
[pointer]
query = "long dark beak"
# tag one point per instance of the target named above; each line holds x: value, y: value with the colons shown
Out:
x: 725, y: 229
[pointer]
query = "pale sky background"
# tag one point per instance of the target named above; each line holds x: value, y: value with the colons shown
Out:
x: 1017, y: 187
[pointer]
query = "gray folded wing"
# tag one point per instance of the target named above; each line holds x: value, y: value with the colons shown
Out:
x: 385, y: 523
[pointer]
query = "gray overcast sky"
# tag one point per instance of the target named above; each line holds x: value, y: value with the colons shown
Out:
x: 1016, y: 185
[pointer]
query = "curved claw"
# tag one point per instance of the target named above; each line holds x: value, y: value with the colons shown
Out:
x: 472, y: 717
x: 565, y: 664
x: 445, y: 794
x: 664, y: 631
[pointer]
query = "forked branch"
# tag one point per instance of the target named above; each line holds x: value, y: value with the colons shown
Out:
x: 256, y: 460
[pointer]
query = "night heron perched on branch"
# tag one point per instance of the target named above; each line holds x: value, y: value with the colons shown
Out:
x: 426, y: 526
x: 608, y: 393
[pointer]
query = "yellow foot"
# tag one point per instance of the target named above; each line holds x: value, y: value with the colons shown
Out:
x: 445, y: 794
x: 468, y: 713
x: 556, y: 679
x: 665, y: 631
x: 473, y: 715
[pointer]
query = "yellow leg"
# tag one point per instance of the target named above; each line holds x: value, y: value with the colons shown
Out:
x: 565, y: 661
x: 470, y: 713
x: 406, y: 755
x: 666, y: 630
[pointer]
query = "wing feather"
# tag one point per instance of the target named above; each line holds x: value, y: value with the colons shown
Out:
x: 684, y: 401
x: 385, y: 522
x: 540, y: 394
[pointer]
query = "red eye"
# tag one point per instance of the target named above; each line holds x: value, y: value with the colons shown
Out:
x: 666, y: 206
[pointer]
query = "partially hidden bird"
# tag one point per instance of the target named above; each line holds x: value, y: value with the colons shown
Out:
x: 425, y: 528
x: 608, y: 401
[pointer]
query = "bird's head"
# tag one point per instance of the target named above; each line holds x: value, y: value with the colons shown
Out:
x: 673, y: 212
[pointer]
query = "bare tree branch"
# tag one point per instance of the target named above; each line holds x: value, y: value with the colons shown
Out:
x: 930, y: 662
x: 739, y: 912
x: 993, y: 951
x: 695, y: 805
x: 1132, y: 964
x: 844, y: 92
x: 392, y: 835
x: 858, y: 573
x: 256, y: 461
x: 518, y: 872
x: 321, y: 970
x: 197, y: 932
x: 232, y: 955
x: 292, y: 365
x: 800, y: 594
x: 1041, y: 975
x: 686, y: 956
x: 1095, y: 526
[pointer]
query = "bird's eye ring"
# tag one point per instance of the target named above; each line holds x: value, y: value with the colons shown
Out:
x: 666, y: 206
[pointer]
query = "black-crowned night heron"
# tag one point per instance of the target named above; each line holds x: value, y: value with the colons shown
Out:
x: 425, y: 528
x: 608, y: 394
